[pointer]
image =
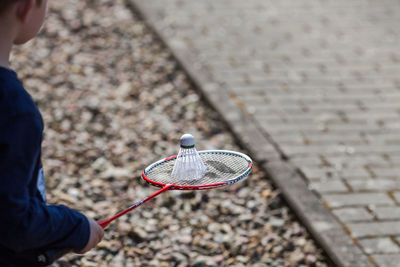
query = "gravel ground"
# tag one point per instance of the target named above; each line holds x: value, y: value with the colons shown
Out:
x: 114, y: 100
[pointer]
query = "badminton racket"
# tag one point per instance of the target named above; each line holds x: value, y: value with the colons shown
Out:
x: 223, y: 168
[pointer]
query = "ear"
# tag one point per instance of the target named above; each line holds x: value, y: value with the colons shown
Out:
x: 24, y: 9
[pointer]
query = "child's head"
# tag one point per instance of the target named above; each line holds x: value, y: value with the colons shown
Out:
x: 27, y: 16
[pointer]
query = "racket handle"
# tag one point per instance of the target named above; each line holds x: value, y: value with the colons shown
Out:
x: 104, y: 223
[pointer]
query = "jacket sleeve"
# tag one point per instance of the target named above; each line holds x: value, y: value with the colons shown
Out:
x: 26, y: 221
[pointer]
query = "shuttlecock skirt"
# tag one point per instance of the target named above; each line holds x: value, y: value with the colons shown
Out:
x: 188, y: 165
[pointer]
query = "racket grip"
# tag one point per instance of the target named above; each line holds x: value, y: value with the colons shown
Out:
x: 104, y: 223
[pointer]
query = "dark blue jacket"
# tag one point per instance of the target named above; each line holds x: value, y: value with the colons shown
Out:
x: 26, y: 222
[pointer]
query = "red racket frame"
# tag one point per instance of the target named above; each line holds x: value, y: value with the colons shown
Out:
x: 165, y: 187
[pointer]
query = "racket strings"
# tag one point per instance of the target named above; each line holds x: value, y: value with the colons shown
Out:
x: 220, y: 167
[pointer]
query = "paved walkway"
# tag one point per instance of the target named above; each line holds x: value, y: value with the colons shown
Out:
x: 312, y: 88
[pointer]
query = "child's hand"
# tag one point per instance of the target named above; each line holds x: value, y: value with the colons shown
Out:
x: 96, y: 234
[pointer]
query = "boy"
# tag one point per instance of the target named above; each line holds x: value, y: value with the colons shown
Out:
x: 27, y: 224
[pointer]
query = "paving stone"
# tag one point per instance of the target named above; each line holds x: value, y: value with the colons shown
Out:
x: 353, y: 214
x: 313, y: 172
x: 358, y: 161
x: 392, y: 172
x: 390, y: 260
x: 375, y: 184
x: 367, y: 229
x: 307, y: 161
x: 384, y: 245
x: 357, y: 199
x: 387, y: 213
x: 326, y: 186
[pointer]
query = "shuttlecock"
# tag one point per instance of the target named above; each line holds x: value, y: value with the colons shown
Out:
x: 188, y: 164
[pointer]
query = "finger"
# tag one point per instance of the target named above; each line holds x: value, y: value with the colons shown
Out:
x: 101, y: 233
x: 99, y: 238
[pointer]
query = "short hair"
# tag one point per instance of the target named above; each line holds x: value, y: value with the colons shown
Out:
x: 4, y: 4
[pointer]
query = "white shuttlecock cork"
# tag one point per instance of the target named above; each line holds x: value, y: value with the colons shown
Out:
x: 188, y: 164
